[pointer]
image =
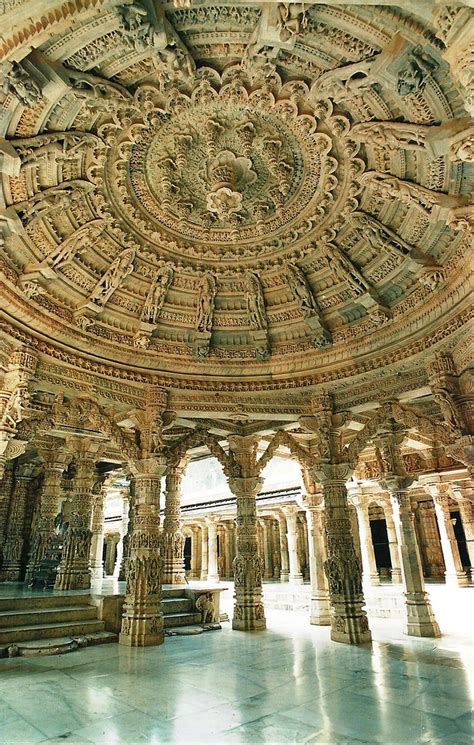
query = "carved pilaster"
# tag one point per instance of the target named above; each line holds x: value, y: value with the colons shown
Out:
x: 319, y: 605
x: 291, y: 514
x: 142, y: 622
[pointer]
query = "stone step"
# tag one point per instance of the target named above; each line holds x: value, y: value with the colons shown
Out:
x: 57, y: 645
x: 176, y: 605
x: 31, y: 616
x: 39, y: 631
x: 37, y: 600
x: 173, y: 592
x: 181, y: 619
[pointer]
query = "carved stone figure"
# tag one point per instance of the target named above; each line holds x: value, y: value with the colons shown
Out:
x: 344, y: 270
x: 343, y: 82
x: 206, y: 607
x: 301, y: 290
x: 13, y: 412
x: 58, y: 147
x: 391, y: 187
x: 75, y: 244
x: 16, y: 80
x: 52, y: 201
x: 115, y: 275
x: 157, y: 294
x: 392, y: 135
x: 205, y: 305
x: 448, y: 407
x: 255, y: 302
x: 414, y: 77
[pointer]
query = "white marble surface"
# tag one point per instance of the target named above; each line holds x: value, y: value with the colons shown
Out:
x: 287, y: 684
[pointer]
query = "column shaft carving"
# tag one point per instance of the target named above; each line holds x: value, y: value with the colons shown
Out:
x: 97, y: 538
x: 284, y: 558
x: 212, y: 565
x: 142, y: 621
x: 291, y: 514
x: 319, y: 605
x: 455, y: 576
x: 172, y: 537
x: 13, y: 546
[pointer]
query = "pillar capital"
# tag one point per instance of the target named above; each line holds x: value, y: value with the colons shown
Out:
x: 245, y: 487
x: 326, y: 473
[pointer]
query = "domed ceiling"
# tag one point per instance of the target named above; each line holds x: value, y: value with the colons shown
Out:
x: 247, y: 190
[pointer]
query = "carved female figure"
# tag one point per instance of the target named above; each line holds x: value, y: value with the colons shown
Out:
x: 205, y: 305
x: 114, y: 276
x: 157, y: 293
x: 255, y: 302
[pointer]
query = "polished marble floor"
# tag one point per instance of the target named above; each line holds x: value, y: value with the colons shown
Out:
x: 287, y: 684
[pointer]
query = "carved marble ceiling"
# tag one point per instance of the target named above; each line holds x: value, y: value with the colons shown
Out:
x: 190, y: 186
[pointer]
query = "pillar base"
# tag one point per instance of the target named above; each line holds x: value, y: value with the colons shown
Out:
x: 459, y: 579
x: 296, y: 579
x: 420, y: 616
x: 249, y: 615
x: 284, y: 577
x: 97, y: 573
x: 396, y: 575
x: 214, y: 578
x: 10, y: 574
x: 73, y: 580
x: 319, y: 611
x: 349, y: 623
x: 375, y: 579
x: 174, y: 578
x: 142, y: 631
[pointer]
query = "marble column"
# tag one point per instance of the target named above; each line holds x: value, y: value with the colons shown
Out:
x: 291, y: 514
x: 204, y: 552
x: 74, y: 569
x: 6, y: 491
x: 466, y: 511
x: 370, y: 573
x: 455, y: 576
x: 142, y: 621
x: 267, y: 550
x: 212, y: 567
x: 15, y: 533
x: 349, y: 622
x: 173, y: 538
x: 97, y: 539
x: 319, y: 612
x: 276, y: 556
x: 195, y: 571
x: 228, y: 550
x: 111, y: 541
x: 285, y: 562
x: 420, y: 617
x: 123, y: 532
x: 56, y: 458
x: 127, y: 535
x: 396, y: 571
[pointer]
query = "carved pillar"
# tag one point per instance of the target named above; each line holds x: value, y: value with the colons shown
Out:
x: 195, y: 570
x: 173, y: 538
x: 228, y: 550
x: 15, y: 532
x: 6, y: 490
x: 420, y: 616
x: 285, y: 561
x: 348, y: 618
x: 126, y: 538
x: 291, y: 514
x: 111, y: 542
x: 369, y: 566
x: 396, y: 571
x: 429, y: 544
x: 74, y: 569
x: 204, y: 552
x: 319, y: 613
x: 267, y: 550
x: 455, y: 576
x: 212, y: 567
x: 142, y: 622
x: 123, y: 532
x: 56, y: 459
x: 466, y: 510
x: 97, y: 539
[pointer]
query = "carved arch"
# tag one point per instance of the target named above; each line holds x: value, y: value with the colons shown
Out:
x: 283, y: 438
x: 198, y: 437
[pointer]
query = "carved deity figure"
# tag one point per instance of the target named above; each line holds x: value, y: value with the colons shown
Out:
x: 13, y: 412
x: 391, y: 187
x: 301, y: 290
x: 255, y: 302
x: 448, y: 407
x: 75, y: 244
x: 113, y: 277
x: 52, y: 201
x: 205, y: 305
x: 418, y: 70
x: 293, y: 19
x: 344, y: 270
x: 56, y: 147
x: 344, y: 82
x: 378, y: 235
x: 156, y: 294
x: 15, y: 79
x: 392, y: 135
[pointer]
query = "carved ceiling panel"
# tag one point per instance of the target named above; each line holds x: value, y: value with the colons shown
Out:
x: 189, y: 185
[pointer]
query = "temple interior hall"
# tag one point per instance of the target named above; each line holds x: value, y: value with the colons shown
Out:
x: 236, y: 390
